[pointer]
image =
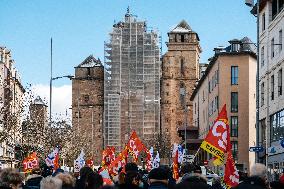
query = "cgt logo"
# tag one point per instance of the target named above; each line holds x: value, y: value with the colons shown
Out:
x: 219, y: 130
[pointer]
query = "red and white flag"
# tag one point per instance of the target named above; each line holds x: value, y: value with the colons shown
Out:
x: 30, y: 162
x: 216, y: 141
x: 135, y: 146
x: 108, y: 156
x: 231, y: 176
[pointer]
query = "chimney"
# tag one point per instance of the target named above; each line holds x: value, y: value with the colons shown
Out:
x: 218, y: 50
x: 235, y: 45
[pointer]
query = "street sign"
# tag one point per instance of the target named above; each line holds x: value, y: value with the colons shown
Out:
x: 256, y: 149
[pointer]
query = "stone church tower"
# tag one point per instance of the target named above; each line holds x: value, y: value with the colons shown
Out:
x: 87, y: 107
x: 180, y: 71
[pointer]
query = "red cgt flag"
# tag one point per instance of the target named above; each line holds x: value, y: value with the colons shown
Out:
x: 108, y: 156
x: 30, y: 162
x: 135, y: 146
x: 216, y: 140
x: 175, y: 165
x: 231, y: 176
x: 120, y: 161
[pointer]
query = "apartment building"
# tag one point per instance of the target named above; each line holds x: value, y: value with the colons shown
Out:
x: 11, y: 108
x: 229, y: 79
x: 271, y: 96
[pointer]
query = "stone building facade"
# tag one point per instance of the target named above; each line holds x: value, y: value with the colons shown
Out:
x: 180, y: 71
x: 33, y: 130
x: 87, y: 106
x: 11, y: 108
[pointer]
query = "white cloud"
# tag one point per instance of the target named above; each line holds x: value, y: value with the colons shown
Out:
x: 61, y: 97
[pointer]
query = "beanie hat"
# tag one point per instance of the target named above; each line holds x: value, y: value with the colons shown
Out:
x: 158, y: 174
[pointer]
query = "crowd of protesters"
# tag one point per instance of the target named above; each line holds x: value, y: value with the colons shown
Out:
x: 131, y: 177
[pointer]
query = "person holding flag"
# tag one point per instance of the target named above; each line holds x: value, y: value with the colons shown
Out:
x: 218, y: 143
x: 52, y: 160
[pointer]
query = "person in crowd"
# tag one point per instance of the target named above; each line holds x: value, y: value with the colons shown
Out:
x: 193, y: 180
x: 50, y: 183
x: 131, y: 167
x: 46, y: 171
x: 144, y: 179
x: 84, y: 173
x: 33, y: 180
x: 10, y: 179
x: 192, y: 185
x: 257, y: 178
x: 158, y: 178
x: 121, y: 180
x: 243, y: 176
x: 68, y: 181
x: 216, y: 183
x: 57, y: 171
x: 132, y: 180
x: 186, y: 170
x: 94, y: 181
x: 276, y: 185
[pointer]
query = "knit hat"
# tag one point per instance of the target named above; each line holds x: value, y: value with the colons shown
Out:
x: 158, y: 174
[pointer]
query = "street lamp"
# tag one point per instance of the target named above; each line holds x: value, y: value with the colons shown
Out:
x: 92, y: 123
x: 186, y: 109
x: 50, y: 92
x: 250, y: 3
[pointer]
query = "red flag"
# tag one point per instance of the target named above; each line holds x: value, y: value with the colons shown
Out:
x: 135, y: 146
x: 30, y: 162
x: 175, y: 164
x: 148, y: 160
x: 108, y: 156
x: 90, y: 162
x: 56, y: 161
x: 215, y: 142
x: 231, y: 176
x: 120, y: 161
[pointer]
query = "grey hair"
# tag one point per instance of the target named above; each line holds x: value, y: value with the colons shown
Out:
x: 258, y: 170
x: 50, y: 183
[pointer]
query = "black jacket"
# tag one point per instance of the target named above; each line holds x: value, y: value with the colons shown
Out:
x: 252, y: 183
x: 33, y: 182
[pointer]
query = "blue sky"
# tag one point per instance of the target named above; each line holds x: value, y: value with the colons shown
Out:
x: 80, y: 27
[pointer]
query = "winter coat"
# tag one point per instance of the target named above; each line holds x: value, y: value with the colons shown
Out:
x: 195, y: 181
x: 33, y: 182
x: 252, y: 183
x: 158, y: 185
